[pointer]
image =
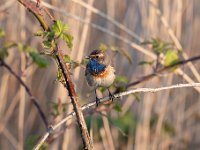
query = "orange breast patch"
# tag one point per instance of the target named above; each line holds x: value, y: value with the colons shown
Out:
x: 103, y: 74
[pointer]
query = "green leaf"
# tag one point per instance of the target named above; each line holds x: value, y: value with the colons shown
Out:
x: 67, y: 59
x: 113, y: 48
x: 10, y: 44
x: 20, y: 47
x: 126, y: 122
x: 84, y: 61
x: 171, y: 57
x: 117, y: 108
x: 25, y: 48
x: 97, y: 122
x: 2, y: 33
x: 3, y: 53
x: 4, y: 49
x: 68, y: 39
x: 168, y: 129
x: 103, y: 47
x: 30, y: 49
x: 32, y: 141
x: 39, y: 60
x: 40, y: 33
x: 74, y: 64
x: 57, y: 108
x: 46, y: 44
x: 121, y: 80
x: 59, y: 28
x: 102, y: 89
x: 137, y: 98
x: 50, y: 36
x: 59, y: 75
x: 160, y: 46
x: 122, y: 88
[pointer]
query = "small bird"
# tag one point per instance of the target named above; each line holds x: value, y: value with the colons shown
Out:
x: 99, y: 72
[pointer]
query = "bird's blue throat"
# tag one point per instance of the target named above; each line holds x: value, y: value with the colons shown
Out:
x: 95, y: 67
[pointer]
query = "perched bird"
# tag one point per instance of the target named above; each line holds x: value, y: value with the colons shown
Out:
x: 99, y: 72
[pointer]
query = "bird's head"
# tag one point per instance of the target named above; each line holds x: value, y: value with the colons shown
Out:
x: 97, y: 55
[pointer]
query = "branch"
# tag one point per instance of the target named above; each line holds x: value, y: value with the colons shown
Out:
x: 69, y: 84
x: 65, y: 71
x: 36, y: 12
x: 75, y: 102
x: 115, y: 96
x: 174, y: 38
x: 159, y: 71
x: 28, y: 91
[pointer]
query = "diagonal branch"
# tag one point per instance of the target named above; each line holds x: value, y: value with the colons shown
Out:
x: 36, y: 11
x: 115, y: 96
x: 75, y: 102
x: 159, y: 71
x: 28, y: 91
x: 174, y: 39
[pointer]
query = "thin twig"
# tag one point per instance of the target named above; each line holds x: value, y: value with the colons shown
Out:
x: 36, y: 12
x: 159, y: 71
x: 105, y: 99
x: 174, y: 38
x: 28, y: 91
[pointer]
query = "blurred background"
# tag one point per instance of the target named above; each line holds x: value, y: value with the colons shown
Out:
x: 164, y: 120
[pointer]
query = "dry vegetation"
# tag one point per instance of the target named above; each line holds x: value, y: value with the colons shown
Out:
x: 164, y: 120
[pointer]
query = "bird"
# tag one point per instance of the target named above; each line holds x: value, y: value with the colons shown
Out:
x: 99, y: 72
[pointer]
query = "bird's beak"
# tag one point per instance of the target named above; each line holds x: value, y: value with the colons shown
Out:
x: 87, y: 57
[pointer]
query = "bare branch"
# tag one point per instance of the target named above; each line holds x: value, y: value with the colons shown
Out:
x: 36, y: 12
x: 105, y: 99
x: 159, y: 71
x: 175, y: 39
x: 34, y: 9
x: 75, y: 102
x: 28, y: 91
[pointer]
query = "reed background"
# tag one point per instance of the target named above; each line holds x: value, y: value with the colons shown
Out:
x: 163, y: 120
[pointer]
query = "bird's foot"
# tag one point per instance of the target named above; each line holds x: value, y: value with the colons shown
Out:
x: 97, y: 101
x: 111, y: 96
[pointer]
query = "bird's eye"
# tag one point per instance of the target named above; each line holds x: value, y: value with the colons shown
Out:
x: 97, y: 56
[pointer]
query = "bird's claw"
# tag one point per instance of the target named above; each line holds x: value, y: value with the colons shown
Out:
x: 97, y: 101
x: 111, y: 96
